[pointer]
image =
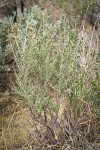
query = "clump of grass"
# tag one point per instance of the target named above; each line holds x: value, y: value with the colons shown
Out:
x: 62, y: 3
x: 79, y: 6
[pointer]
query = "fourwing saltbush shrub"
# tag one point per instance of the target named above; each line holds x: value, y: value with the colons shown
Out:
x: 50, y: 58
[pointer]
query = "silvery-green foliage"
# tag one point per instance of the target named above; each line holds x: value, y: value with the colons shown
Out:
x: 50, y: 56
x: 4, y: 30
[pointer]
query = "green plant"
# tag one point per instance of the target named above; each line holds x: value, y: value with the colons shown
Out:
x: 83, y: 5
x: 62, y: 3
x: 4, y: 30
x: 50, y: 59
x: 53, y: 65
x: 79, y: 6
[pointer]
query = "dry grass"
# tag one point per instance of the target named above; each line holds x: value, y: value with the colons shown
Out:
x: 76, y: 130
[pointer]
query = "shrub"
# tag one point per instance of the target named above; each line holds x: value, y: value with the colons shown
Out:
x: 4, y: 31
x: 57, y: 73
x: 50, y: 58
